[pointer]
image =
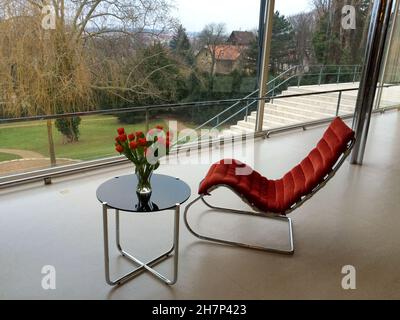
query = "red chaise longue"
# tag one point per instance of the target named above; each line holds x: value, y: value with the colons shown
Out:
x: 276, y: 199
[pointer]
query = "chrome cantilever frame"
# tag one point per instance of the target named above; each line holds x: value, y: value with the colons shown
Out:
x: 290, y: 251
x: 142, y: 267
x: 257, y: 213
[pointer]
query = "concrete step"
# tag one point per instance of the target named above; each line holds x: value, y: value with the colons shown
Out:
x: 296, y: 110
x: 253, y: 118
x: 228, y: 133
x: 281, y: 119
x: 237, y: 129
x: 295, y: 113
x: 271, y: 120
x: 325, y: 87
x: 347, y: 98
x: 247, y: 124
x: 275, y: 110
x: 251, y: 122
x: 319, y: 101
x: 328, y: 108
x: 270, y: 123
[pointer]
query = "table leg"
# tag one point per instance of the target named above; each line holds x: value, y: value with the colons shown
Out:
x: 142, y: 266
x: 117, y: 233
x: 176, y: 242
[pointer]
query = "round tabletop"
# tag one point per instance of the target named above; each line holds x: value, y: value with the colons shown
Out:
x: 120, y: 193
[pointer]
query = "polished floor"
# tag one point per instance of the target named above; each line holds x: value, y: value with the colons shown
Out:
x: 354, y: 221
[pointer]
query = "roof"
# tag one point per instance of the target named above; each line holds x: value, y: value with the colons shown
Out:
x: 243, y: 38
x: 227, y: 52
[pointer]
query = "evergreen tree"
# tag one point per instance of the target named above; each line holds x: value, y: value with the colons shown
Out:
x: 69, y: 127
x: 321, y: 41
x: 335, y: 45
x: 165, y: 79
x: 282, y: 47
x: 180, y: 45
x: 251, y: 57
x: 282, y: 44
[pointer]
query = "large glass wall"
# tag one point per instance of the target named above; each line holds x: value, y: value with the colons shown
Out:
x: 316, y: 46
x: 120, y: 55
x: 389, y: 93
x: 176, y: 58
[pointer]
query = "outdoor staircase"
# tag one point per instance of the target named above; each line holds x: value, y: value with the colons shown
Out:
x: 295, y: 110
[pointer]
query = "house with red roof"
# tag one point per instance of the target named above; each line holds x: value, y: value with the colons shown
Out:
x: 220, y: 59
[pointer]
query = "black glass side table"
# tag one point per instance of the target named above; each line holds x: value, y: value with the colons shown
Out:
x: 119, y: 194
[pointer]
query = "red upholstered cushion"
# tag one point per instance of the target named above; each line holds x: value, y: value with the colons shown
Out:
x: 278, y: 196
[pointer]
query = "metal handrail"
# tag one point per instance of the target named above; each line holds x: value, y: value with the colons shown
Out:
x: 166, y: 106
x: 312, y: 74
x: 268, y: 99
x: 238, y: 102
x: 234, y: 115
x: 45, y: 174
x: 241, y: 100
x: 220, y: 114
x: 122, y: 110
x: 271, y: 91
x: 141, y: 108
x: 245, y: 108
x: 226, y: 110
x: 279, y: 85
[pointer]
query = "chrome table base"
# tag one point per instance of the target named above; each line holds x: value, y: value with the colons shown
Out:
x: 142, y: 267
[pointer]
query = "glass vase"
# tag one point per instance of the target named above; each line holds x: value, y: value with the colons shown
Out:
x: 143, y: 188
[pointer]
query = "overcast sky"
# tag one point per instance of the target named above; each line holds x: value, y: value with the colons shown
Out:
x: 237, y: 14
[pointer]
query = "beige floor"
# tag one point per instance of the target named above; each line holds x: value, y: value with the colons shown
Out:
x: 355, y: 221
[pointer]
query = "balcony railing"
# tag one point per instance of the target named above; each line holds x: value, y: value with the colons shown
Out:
x: 296, y: 75
x: 241, y: 110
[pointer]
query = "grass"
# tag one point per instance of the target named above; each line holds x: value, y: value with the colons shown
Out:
x: 8, y: 157
x: 96, y: 140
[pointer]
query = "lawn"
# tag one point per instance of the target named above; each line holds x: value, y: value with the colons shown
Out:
x: 96, y: 140
x: 8, y: 157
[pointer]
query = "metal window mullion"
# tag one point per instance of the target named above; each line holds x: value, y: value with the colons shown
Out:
x: 387, y: 54
x: 265, y: 64
x: 378, y: 30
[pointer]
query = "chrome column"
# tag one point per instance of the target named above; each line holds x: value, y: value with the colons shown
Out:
x: 387, y: 54
x: 377, y: 35
x: 265, y: 63
x: 261, y: 33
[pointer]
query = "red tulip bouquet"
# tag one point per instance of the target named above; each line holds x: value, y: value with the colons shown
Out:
x: 145, y: 152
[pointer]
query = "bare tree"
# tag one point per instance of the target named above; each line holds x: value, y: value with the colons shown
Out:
x: 322, y: 7
x: 303, y: 25
x: 211, y: 36
x: 50, y: 62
